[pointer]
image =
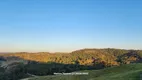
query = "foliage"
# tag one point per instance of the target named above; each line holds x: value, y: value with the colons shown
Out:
x: 19, y: 65
x: 123, y: 72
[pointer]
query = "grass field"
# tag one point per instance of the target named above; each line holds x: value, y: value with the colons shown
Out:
x: 124, y: 72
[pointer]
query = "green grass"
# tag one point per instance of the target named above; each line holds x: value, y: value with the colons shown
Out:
x: 124, y: 72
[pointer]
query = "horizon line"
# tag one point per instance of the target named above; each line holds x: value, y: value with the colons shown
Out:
x: 63, y: 51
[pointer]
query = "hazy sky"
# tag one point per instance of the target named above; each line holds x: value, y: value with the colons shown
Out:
x: 66, y: 25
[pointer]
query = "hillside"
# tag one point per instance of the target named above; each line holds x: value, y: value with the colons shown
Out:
x: 124, y: 72
x: 107, y: 57
x: 15, y: 66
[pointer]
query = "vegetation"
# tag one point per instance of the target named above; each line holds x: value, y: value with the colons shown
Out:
x: 108, y: 57
x: 124, y: 72
x: 15, y: 72
x: 14, y: 66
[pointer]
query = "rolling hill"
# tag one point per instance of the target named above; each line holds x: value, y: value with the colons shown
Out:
x: 124, y: 72
x: 102, y: 64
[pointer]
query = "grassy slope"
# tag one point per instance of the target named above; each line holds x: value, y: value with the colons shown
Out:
x: 124, y: 72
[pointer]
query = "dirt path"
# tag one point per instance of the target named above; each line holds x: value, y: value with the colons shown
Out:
x: 25, y: 79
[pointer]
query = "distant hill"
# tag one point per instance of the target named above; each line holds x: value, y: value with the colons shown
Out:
x: 14, y: 66
x: 107, y: 57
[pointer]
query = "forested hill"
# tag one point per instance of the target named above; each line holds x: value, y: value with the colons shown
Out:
x: 103, y: 57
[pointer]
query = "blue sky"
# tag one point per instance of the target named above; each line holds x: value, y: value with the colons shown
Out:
x: 67, y: 25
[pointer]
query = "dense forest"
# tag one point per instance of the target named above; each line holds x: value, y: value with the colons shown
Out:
x: 15, y: 66
x: 108, y: 57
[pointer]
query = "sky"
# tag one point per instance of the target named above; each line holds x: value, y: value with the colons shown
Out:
x: 68, y: 25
